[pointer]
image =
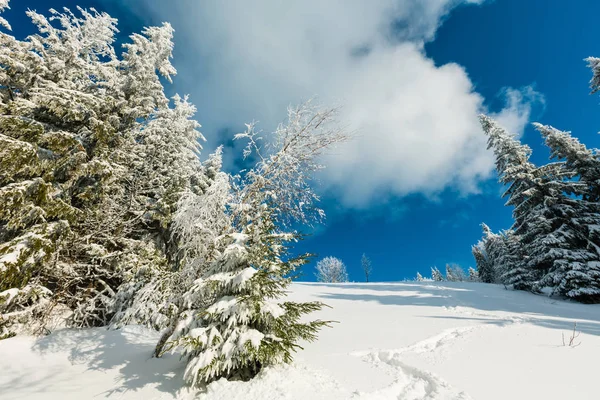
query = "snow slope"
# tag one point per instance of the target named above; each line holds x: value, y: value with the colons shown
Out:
x: 391, y: 341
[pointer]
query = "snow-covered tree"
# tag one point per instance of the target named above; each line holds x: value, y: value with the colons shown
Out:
x: 454, y: 273
x: 473, y: 275
x: 594, y: 65
x: 529, y: 189
x: 367, y: 266
x: 60, y: 149
x: 553, y: 242
x: 419, y: 277
x: 574, y: 269
x: 154, y: 297
x: 484, y: 267
x: 331, y: 270
x: 79, y: 130
x: 436, y: 275
x: 232, y: 320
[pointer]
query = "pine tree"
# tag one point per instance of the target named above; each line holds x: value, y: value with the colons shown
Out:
x: 232, y: 321
x: 574, y: 270
x: 366, y: 265
x: 549, y: 246
x: 594, y: 65
x: 419, y: 277
x: 59, y: 149
x: 484, y: 268
x: 454, y: 273
x: 436, y: 275
x: 511, y: 262
x: 528, y: 190
x: 244, y: 328
x: 473, y: 275
x: 76, y: 129
x: 486, y: 253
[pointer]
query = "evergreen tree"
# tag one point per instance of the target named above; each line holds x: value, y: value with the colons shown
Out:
x: 436, y: 275
x: 594, y: 64
x: 550, y: 244
x: 366, y: 265
x: 486, y: 253
x: 419, y: 277
x: 232, y: 321
x: 529, y: 190
x: 454, y: 273
x: 511, y: 262
x: 473, y: 275
x: 60, y: 154
x: 575, y: 269
x: 484, y: 268
x: 77, y: 130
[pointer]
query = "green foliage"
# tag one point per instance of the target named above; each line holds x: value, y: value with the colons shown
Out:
x: 245, y: 325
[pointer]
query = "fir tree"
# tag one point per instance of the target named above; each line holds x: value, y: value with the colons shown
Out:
x: 550, y: 244
x: 473, y: 275
x: 419, y: 277
x: 574, y: 270
x: 436, y: 275
x: 77, y: 126
x: 528, y: 187
x: 231, y: 321
x: 454, y: 273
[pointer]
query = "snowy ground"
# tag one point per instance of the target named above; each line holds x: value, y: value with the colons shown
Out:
x: 392, y: 341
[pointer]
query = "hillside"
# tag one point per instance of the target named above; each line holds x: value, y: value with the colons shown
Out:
x: 391, y: 341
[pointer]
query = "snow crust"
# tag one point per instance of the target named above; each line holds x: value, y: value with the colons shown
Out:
x: 409, y: 341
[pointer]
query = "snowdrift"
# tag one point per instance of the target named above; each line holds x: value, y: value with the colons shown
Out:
x: 404, y: 341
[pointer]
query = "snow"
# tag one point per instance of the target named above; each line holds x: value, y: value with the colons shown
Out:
x: 13, y: 256
x: 8, y: 295
x: 409, y: 341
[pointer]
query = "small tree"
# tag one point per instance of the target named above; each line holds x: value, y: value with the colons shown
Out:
x: 367, y: 267
x: 454, y: 273
x: 436, y: 275
x: 233, y: 318
x: 419, y: 277
x: 473, y: 275
x: 331, y: 270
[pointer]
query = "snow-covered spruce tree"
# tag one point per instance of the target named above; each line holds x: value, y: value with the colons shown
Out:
x: 498, y: 256
x: 367, y: 266
x: 419, y: 277
x: 57, y: 128
x: 555, y: 249
x: 331, y: 270
x: 510, y: 262
x: 527, y: 187
x: 233, y: 320
x: 473, y: 275
x: 436, y: 275
x: 575, y: 272
x: 594, y: 64
x: 71, y: 116
x: 584, y: 165
x: 454, y: 273
x: 484, y: 267
x: 155, y: 297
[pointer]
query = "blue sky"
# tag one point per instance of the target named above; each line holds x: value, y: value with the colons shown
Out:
x: 406, y: 207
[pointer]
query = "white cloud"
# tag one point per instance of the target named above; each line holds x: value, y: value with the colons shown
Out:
x: 515, y: 115
x: 417, y: 123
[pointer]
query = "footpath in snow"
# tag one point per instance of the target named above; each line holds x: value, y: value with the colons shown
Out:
x: 400, y: 341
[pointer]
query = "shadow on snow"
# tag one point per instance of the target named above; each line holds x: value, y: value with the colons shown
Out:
x: 484, y: 299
